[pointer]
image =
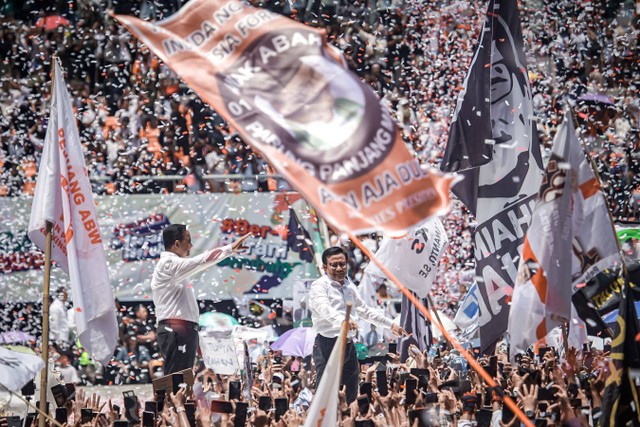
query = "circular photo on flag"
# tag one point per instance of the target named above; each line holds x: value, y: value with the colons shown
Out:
x: 287, y: 90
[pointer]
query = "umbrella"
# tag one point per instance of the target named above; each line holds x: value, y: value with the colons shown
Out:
x: 11, y: 337
x: 596, y: 98
x: 295, y: 342
x: 217, y: 322
x: 52, y: 22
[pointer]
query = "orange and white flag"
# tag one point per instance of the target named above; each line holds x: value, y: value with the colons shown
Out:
x: 63, y: 197
x: 569, y: 241
x: 289, y: 95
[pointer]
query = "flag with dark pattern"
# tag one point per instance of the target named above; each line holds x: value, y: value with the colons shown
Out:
x: 493, y: 143
x: 620, y: 396
x: 298, y: 239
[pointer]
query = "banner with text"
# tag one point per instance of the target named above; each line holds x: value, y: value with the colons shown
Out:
x: 219, y: 354
x: 289, y: 94
x: 131, y: 229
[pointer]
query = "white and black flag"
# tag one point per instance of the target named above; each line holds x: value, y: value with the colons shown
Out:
x: 493, y: 143
x: 416, y: 324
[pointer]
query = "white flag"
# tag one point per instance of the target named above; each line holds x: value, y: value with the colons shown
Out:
x: 323, y: 411
x: 570, y: 240
x: 17, y: 369
x: 63, y: 197
x: 413, y: 259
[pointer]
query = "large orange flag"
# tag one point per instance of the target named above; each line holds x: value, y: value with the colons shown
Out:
x: 289, y: 95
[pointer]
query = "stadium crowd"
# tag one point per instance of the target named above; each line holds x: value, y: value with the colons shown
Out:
x: 139, y: 123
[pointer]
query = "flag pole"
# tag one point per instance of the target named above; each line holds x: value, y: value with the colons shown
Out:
x: 45, y: 324
x: 437, y: 316
x: 347, y: 317
x: 472, y: 362
x: 44, y: 374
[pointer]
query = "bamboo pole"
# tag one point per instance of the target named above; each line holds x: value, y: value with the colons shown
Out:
x: 44, y: 374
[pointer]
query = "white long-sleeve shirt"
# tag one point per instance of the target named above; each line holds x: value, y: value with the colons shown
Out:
x: 328, y: 302
x: 172, y: 295
x: 58, y: 322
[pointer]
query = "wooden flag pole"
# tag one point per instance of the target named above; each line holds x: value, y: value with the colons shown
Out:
x: 44, y: 374
x: 472, y: 362
x: 347, y: 317
x: 437, y: 316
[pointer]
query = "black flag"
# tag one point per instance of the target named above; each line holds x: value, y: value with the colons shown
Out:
x: 493, y: 142
x: 620, y: 396
x: 298, y: 239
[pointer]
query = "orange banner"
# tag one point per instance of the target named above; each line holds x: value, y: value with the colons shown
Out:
x: 290, y: 95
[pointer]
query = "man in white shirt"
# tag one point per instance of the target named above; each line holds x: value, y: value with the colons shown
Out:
x: 328, y: 298
x: 176, y: 305
x: 58, y: 320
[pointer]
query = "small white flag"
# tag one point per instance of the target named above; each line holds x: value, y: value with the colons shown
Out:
x: 323, y: 411
x: 63, y: 197
x: 17, y: 369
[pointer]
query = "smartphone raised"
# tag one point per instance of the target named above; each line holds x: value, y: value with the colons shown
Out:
x: 86, y: 415
x: 176, y: 380
x: 221, y: 406
x: 59, y: 392
x: 264, y: 403
x: 235, y: 390
x: 281, y: 406
x: 240, y: 419
x: 484, y: 418
x: 61, y: 415
x: 363, y: 405
x: 151, y: 406
x: 190, y: 411
x: 131, y: 406
x: 366, y: 388
x: 431, y: 398
x: 381, y: 381
x: 410, y: 385
x: 148, y: 419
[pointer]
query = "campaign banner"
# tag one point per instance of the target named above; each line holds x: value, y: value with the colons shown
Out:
x: 289, y: 95
x: 131, y: 226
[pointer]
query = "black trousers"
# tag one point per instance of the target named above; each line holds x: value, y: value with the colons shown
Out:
x: 350, y: 372
x: 178, y: 343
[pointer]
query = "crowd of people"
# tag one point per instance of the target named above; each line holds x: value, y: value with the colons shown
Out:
x: 434, y: 388
x: 138, y: 122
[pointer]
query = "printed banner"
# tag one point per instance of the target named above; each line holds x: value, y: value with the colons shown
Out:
x: 493, y: 141
x: 131, y: 229
x: 289, y: 94
x: 219, y: 354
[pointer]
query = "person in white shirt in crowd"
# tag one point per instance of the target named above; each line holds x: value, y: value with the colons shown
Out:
x: 58, y: 319
x: 328, y: 298
x: 175, y: 299
x: 68, y: 373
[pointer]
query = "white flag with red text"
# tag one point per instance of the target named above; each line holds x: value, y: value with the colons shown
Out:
x: 63, y: 197
x: 569, y: 241
x: 323, y: 411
